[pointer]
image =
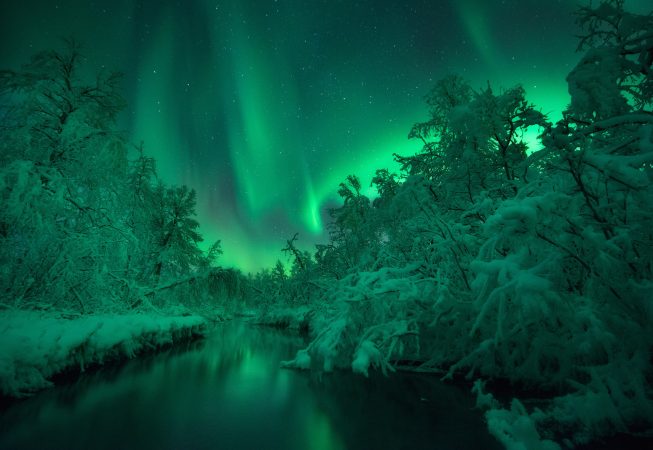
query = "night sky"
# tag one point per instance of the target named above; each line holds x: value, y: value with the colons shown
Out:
x: 264, y: 106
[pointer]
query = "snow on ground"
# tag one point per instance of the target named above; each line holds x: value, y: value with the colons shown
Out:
x: 35, y: 345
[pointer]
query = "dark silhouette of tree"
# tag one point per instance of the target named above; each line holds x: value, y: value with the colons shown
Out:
x: 299, y: 260
x: 175, y: 231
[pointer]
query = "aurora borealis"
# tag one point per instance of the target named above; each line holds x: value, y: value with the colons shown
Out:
x: 265, y: 106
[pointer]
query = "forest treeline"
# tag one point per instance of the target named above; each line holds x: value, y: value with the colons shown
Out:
x: 482, y: 258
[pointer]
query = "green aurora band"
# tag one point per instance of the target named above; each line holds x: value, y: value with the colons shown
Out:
x: 264, y: 107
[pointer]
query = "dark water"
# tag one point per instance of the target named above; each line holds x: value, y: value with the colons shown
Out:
x: 228, y: 392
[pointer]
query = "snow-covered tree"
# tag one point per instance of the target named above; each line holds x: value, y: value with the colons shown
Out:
x: 174, y: 249
x: 82, y: 226
x: 567, y: 263
x: 493, y: 263
x: 63, y: 168
x: 614, y: 74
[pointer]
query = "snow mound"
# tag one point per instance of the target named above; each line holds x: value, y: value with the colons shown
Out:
x: 34, y: 346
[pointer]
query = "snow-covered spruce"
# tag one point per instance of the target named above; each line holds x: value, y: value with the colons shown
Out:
x: 34, y: 346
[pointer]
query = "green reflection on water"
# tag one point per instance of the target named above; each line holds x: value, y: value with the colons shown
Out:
x: 320, y: 434
x: 229, y: 392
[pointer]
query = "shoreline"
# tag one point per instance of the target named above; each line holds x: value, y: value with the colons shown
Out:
x: 38, y: 347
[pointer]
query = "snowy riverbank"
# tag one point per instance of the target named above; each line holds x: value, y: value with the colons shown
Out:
x: 34, y: 346
x: 296, y: 319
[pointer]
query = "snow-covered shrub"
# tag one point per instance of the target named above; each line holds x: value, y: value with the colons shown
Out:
x: 516, y: 429
x: 370, y: 319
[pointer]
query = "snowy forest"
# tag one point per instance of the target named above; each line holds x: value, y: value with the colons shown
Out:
x: 526, y: 272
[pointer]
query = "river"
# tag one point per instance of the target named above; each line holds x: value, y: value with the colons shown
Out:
x: 228, y: 392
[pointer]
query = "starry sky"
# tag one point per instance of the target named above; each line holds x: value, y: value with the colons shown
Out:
x: 264, y: 106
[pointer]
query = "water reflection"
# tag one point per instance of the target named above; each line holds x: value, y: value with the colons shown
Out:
x: 228, y: 392
x: 407, y: 411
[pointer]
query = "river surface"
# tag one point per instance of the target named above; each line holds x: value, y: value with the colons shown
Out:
x: 228, y: 392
